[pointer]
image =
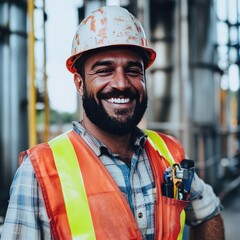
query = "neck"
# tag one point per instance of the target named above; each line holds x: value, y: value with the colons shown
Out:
x: 116, y: 144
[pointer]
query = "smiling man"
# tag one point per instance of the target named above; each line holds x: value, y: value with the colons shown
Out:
x: 104, y: 178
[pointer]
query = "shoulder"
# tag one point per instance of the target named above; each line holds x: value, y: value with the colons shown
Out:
x: 26, y: 213
x: 174, y: 146
x: 170, y: 140
x: 42, y: 147
x: 24, y: 178
x: 25, y: 192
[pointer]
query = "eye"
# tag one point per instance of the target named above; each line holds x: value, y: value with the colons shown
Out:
x: 134, y: 71
x: 104, y: 71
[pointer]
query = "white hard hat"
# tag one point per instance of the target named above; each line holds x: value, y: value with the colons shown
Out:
x: 109, y: 26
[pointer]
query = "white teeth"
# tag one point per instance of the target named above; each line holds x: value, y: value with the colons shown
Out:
x: 118, y: 100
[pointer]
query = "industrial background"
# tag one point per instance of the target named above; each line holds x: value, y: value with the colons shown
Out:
x: 193, y: 86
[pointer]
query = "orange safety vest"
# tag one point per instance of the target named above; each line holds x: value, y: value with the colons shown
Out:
x: 83, y: 201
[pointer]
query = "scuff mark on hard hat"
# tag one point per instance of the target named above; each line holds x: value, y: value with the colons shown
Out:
x: 119, y: 19
x: 101, y: 10
x: 84, y: 22
x: 92, y: 24
x: 132, y: 38
x: 103, y: 35
x: 144, y: 42
x: 137, y: 27
x: 129, y: 28
x: 77, y: 39
x: 103, y: 21
x: 75, y: 50
x: 102, y: 32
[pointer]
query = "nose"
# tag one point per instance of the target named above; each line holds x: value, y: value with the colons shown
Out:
x: 120, y: 80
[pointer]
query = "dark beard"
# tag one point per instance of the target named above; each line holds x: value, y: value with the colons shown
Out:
x: 97, y: 114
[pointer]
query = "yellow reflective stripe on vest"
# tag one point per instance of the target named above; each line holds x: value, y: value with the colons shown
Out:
x: 182, y: 223
x: 74, y: 194
x: 158, y: 144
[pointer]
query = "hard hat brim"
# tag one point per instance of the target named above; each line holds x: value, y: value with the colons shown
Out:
x: 150, y: 56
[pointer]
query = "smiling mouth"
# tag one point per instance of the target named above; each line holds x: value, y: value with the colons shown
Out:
x: 118, y: 100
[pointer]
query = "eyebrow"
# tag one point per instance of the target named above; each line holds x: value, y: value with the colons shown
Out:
x: 135, y: 64
x: 109, y: 63
x: 101, y: 63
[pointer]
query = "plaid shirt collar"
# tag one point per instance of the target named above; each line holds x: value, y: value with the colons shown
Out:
x: 139, y: 138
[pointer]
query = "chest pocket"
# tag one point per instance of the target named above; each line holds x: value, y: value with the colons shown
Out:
x: 172, y: 219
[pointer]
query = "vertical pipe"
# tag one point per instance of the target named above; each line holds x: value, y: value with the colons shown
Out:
x: 5, y: 97
x: 32, y: 120
x: 229, y: 92
x: 238, y: 60
x: 13, y: 93
x: 46, y: 102
x: 183, y: 68
x: 18, y: 84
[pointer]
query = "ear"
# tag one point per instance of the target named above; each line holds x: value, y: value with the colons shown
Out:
x: 78, y: 83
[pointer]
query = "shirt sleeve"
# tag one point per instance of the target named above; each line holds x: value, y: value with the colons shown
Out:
x: 204, y: 204
x: 26, y: 216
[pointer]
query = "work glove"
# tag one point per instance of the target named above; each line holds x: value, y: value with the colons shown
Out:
x: 204, y: 204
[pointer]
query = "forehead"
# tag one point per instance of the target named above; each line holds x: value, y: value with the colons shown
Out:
x: 115, y: 56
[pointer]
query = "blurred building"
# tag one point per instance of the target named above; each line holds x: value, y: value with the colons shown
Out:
x: 193, y: 85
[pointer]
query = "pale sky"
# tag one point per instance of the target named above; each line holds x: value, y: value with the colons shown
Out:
x: 60, y: 29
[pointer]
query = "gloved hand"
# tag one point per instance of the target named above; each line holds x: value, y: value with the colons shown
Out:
x: 204, y: 204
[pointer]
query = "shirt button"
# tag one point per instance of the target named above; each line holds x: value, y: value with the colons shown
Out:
x: 140, y: 215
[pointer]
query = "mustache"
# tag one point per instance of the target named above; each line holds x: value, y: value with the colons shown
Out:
x: 115, y: 93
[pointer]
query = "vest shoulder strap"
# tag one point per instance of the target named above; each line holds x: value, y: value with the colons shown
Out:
x: 167, y: 146
x: 62, y: 149
x: 159, y: 145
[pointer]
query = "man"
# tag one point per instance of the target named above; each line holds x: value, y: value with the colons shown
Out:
x: 102, y: 180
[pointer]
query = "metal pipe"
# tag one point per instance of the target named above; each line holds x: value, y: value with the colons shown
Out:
x: 32, y: 119
x: 46, y: 102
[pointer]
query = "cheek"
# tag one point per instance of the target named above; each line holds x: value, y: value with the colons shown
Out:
x: 140, y: 87
x: 94, y: 86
